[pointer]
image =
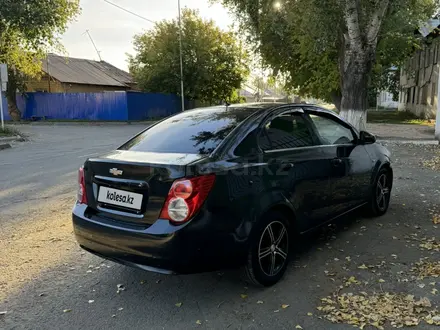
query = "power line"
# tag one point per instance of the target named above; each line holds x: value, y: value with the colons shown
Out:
x: 91, y: 39
x: 180, y: 43
x: 130, y: 12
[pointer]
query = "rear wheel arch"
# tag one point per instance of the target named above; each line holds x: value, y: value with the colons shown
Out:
x: 285, y: 210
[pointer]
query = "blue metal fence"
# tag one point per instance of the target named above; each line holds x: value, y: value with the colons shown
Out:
x: 117, y: 106
x: 151, y: 105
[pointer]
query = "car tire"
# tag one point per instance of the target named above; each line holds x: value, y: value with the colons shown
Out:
x: 268, y: 254
x: 381, y: 194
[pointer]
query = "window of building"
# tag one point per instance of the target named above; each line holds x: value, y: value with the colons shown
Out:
x: 426, y: 57
x: 424, y: 99
x: 433, y: 93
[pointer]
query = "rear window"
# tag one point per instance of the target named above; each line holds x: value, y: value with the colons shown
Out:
x: 192, y: 132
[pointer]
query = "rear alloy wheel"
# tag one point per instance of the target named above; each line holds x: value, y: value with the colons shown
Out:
x: 269, y: 252
x: 381, y: 196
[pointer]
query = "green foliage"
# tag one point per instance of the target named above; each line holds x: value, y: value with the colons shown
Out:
x: 28, y: 29
x: 304, y: 39
x: 213, y: 62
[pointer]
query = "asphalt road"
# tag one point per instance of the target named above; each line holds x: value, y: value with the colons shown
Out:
x: 47, y: 282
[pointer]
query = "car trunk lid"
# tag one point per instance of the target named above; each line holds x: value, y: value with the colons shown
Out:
x: 131, y: 186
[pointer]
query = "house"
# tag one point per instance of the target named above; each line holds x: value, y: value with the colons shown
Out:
x: 73, y: 75
x: 385, y: 100
x: 265, y: 94
x: 419, y: 76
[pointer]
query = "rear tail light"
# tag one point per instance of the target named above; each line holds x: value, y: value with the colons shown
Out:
x: 186, y: 197
x: 81, y: 197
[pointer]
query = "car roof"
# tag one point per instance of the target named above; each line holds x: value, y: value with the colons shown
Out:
x: 258, y: 108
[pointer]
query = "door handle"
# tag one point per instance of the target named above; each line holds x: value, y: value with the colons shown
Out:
x: 286, y: 167
x: 336, y: 161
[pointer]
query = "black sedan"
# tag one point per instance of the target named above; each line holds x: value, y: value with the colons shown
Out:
x: 228, y: 186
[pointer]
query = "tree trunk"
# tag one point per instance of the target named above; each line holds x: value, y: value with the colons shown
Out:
x: 354, y: 91
x: 14, y: 112
x: 336, y: 99
x: 11, y: 94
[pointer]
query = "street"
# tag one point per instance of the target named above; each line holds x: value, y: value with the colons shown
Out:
x: 48, y: 282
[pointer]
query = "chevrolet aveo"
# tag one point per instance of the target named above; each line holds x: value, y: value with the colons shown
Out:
x: 228, y: 186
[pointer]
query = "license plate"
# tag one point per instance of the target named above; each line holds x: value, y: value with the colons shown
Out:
x: 120, y: 198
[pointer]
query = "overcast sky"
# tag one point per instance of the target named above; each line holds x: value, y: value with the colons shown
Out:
x: 113, y: 29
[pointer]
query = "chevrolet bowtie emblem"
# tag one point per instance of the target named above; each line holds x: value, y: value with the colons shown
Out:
x: 115, y: 171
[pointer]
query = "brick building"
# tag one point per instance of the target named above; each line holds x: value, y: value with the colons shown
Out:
x: 419, y: 77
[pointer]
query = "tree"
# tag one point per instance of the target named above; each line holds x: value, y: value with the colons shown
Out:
x: 330, y: 48
x: 213, y: 62
x: 28, y: 29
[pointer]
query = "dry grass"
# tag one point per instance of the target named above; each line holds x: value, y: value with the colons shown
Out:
x: 10, y: 131
x: 396, y: 117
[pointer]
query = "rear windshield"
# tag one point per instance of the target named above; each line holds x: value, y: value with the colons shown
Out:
x: 193, y: 132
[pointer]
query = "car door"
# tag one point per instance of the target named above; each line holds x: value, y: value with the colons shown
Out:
x: 349, y: 162
x: 296, y: 164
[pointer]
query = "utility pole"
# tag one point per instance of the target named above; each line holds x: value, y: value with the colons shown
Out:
x: 181, y: 58
x: 180, y: 42
x: 3, y: 82
x: 48, y: 71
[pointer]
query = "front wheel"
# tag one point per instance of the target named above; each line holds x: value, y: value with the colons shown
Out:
x: 380, y: 199
x: 269, y: 250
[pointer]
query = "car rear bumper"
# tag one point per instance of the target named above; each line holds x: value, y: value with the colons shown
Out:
x: 162, y: 247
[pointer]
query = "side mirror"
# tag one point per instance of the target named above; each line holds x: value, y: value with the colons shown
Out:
x: 366, y: 138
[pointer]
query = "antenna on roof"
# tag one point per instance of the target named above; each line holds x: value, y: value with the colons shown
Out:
x: 91, y: 39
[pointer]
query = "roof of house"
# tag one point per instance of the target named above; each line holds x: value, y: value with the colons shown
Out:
x: 83, y: 71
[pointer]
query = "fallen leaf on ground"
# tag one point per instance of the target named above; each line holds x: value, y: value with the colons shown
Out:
x: 434, y: 291
x: 198, y: 322
x: 352, y: 280
x: 377, y: 310
x: 259, y: 302
x: 66, y: 310
x: 425, y: 268
x: 179, y: 305
x: 120, y: 287
x: 363, y: 266
x: 433, y: 163
x: 91, y: 301
x: 298, y: 327
x: 243, y: 296
x: 3, y: 313
x: 120, y: 309
x: 284, y: 306
x: 309, y: 314
x: 381, y: 281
